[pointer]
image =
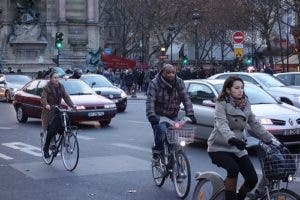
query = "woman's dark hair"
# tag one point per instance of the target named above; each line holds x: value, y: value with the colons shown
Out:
x: 227, y: 85
x: 52, y: 73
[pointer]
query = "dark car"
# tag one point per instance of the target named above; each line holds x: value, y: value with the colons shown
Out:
x: 90, y: 106
x: 104, y: 87
x: 10, y: 83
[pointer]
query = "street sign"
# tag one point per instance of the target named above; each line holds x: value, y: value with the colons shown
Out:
x: 238, y: 45
x: 238, y: 52
x: 238, y: 37
x: 107, y: 51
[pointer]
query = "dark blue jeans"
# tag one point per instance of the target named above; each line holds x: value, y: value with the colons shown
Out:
x: 159, y: 132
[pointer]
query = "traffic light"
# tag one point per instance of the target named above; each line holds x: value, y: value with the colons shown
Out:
x: 248, y: 60
x: 185, y: 60
x: 59, y: 40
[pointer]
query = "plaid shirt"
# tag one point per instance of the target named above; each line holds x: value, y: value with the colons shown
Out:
x: 165, y: 100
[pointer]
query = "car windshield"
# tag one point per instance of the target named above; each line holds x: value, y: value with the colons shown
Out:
x: 19, y: 79
x: 268, y: 80
x: 100, y: 81
x: 255, y: 94
x: 76, y: 87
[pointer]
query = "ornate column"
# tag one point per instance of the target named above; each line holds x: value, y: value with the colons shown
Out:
x: 62, y: 10
x: 91, y: 10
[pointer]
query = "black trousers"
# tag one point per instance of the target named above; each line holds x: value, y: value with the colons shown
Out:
x: 54, y: 127
x: 233, y: 165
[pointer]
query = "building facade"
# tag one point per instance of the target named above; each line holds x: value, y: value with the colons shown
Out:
x: 28, y: 29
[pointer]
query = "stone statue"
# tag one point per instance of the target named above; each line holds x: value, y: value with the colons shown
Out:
x: 26, y: 27
x: 93, y: 60
x: 27, y: 12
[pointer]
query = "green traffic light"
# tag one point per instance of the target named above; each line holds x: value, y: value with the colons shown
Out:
x: 59, y: 45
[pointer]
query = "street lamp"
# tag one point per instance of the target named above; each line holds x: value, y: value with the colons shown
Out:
x: 171, y: 29
x: 195, y: 18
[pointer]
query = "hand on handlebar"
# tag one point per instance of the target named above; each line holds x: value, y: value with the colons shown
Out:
x: 193, y: 119
x: 241, y: 145
x: 48, y: 107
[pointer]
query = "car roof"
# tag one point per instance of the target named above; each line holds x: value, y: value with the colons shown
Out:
x: 233, y: 73
x: 211, y: 81
x: 91, y: 75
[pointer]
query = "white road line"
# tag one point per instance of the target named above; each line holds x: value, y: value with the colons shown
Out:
x: 5, y: 128
x: 85, y: 137
x: 5, y: 157
x: 138, y: 122
x: 132, y: 147
x: 26, y: 148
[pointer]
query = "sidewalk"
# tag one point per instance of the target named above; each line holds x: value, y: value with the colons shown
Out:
x: 139, y: 96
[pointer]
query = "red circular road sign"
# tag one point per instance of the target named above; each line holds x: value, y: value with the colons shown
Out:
x: 238, y: 37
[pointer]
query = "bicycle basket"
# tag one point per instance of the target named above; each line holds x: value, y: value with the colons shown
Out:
x: 277, y: 162
x: 175, y: 136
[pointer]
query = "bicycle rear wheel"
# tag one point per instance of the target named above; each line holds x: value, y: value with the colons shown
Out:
x: 70, y: 151
x: 49, y: 160
x: 204, y: 190
x: 181, y: 175
x: 282, y: 194
x: 158, y: 172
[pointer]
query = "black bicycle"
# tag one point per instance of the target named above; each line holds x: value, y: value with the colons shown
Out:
x: 277, y: 168
x: 174, y: 163
x: 65, y: 143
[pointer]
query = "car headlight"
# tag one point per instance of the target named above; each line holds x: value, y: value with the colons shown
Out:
x: 110, y: 105
x: 80, y: 107
x: 123, y: 95
x: 266, y: 121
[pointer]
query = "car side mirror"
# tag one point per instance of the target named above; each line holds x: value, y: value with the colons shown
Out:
x: 2, y: 82
x: 208, y: 103
x: 93, y: 84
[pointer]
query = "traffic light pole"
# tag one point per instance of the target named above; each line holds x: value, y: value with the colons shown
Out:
x: 58, y: 54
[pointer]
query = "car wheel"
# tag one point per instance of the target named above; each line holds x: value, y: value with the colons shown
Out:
x: 105, y: 123
x: 7, y: 97
x: 121, y: 109
x: 21, y: 116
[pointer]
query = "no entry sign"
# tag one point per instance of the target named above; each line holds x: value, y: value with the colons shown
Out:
x: 238, y: 37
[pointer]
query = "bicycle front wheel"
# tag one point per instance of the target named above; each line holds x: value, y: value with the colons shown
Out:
x: 158, y: 171
x: 204, y: 190
x: 181, y: 175
x: 70, y: 151
x: 282, y: 194
x: 49, y: 160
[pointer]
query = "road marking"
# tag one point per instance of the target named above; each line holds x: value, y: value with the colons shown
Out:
x: 86, y: 166
x: 138, y: 122
x: 5, y: 157
x: 132, y: 147
x: 85, y: 137
x: 5, y: 128
x: 26, y: 148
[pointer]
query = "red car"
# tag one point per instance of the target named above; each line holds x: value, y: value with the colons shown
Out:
x: 90, y: 106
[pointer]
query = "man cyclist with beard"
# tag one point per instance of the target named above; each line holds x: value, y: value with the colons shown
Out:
x: 165, y: 94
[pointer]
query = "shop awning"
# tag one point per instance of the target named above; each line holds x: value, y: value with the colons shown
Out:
x: 117, y: 62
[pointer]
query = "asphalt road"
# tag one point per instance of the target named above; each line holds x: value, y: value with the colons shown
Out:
x: 114, y: 161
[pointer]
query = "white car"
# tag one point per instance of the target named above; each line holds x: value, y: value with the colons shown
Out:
x: 281, y: 119
x: 270, y: 84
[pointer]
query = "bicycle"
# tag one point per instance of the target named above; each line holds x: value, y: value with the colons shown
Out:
x: 210, y: 185
x: 174, y: 163
x: 65, y: 143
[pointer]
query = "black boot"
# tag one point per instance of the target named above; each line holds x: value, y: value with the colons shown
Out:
x: 46, y: 152
x: 243, y: 192
x: 230, y: 195
x: 230, y: 188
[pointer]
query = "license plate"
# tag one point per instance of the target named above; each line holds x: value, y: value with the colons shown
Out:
x: 95, y: 114
x: 292, y: 132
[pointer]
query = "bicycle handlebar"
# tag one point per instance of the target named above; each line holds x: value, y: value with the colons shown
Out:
x: 176, y: 124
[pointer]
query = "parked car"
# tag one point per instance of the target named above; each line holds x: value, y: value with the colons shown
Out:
x: 281, y: 119
x: 90, y: 106
x: 10, y: 83
x: 104, y: 87
x: 289, y: 78
x: 270, y: 84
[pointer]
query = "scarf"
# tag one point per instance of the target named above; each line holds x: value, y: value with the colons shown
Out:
x: 238, y: 103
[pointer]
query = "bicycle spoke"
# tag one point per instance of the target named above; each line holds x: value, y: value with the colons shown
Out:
x: 70, y: 151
